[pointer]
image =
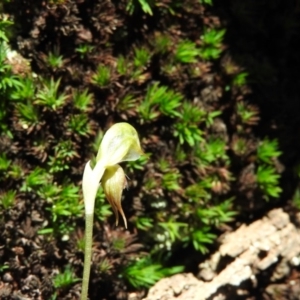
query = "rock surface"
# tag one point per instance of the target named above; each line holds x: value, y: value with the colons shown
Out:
x: 271, y: 244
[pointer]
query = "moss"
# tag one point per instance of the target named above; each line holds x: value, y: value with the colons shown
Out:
x: 203, y: 83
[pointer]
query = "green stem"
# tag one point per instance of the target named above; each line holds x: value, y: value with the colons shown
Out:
x: 89, y: 219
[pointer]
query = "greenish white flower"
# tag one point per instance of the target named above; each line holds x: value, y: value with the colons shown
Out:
x: 120, y: 143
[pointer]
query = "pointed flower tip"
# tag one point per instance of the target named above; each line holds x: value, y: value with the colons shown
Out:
x: 120, y: 143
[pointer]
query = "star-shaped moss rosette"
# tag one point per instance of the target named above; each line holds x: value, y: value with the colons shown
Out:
x: 120, y: 143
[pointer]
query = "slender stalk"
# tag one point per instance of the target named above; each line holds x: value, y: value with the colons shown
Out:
x: 89, y: 219
x: 120, y: 143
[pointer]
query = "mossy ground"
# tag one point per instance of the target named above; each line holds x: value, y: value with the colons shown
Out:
x: 208, y: 88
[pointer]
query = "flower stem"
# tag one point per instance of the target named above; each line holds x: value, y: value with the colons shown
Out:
x: 89, y: 219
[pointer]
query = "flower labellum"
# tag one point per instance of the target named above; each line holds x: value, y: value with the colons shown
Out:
x: 113, y: 183
x: 120, y: 143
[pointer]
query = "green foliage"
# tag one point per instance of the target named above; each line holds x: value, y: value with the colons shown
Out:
x: 64, y: 207
x: 105, y: 265
x: 97, y: 141
x: 210, y: 116
x: 202, y: 237
x: 159, y: 99
x: 35, y: 179
x: 102, y: 207
x: 79, y: 124
x: 58, y: 2
x: 80, y: 243
x: 211, y: 47
x: 8, y: 199
x: 240, y: 79
x: 118, y: 244
x: 267, y: 151
x: 139, y: 164
x: 204, y: 212
x: 128, y: 102
x: 173, y: 229
x: 49, y: 192
x: 267, y: 176
x: 65, y: 279
x: 145, y: 5
x: 247, y: 113
x: 296, y: 198
x: 170, y: 180
x: 180, y: 154
x: 55, y: 60
x: 64, y: 152
x: 191, y: 113
x: 144, y: 272
x: 4, y: 25
x: 208, y: 2
x: 215, y: 215
x: 144, y: 223
x: 189, y: 133
x: 102, y: 76
x: 213, y: 150
x: 268, y: 181
x: 8, y: 81
x: 49, y: 96
x: 4, y: 163
x: 16, y: 171
x: 163, y: 165
x: 25, y: 90
x: 28, y: 114
x: 187, y: 127
x: 195, y: 220
x: 149, y: 184
x: 162, y: 43
x: 3, y: 268
x: 122, y: 65
x: 197, y: 192
x: 141, y: 57
x: 213, y: 37
x: 186, y: 52
x: 84, y: 50
x: 66, y: 203
x: 240, y: 146
x: 82, y: 99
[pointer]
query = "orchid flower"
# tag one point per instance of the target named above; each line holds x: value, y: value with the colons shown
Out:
x: 120, y: 143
